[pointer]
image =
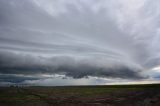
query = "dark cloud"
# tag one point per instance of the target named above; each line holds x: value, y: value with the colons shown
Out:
x: 11, y: 63
x: 9, y: 78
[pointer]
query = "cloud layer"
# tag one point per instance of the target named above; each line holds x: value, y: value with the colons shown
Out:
x: 109, y: 39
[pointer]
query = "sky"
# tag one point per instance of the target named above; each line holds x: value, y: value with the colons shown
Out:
x: 79, y: 42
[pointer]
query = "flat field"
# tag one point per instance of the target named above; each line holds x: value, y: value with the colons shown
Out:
x: 107, y: 95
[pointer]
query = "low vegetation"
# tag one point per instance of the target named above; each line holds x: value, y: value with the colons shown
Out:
x: 137, y: 95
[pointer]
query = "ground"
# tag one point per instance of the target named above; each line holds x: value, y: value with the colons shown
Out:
x: 108, y: 95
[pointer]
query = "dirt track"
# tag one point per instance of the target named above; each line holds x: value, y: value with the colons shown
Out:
x: 147, y: 97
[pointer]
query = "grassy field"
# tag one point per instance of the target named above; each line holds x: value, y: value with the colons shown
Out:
x: 108, y: 95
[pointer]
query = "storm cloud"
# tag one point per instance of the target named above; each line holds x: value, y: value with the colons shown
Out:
x: 69, y: 66
x: 79, y: 39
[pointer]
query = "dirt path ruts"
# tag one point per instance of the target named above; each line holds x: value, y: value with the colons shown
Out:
x: 144, y: 97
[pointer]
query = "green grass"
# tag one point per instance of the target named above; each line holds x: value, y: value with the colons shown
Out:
x: 15, y: 95
x: 90, y: 89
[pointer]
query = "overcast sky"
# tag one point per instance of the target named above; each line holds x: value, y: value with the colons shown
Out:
x: 71, y: 42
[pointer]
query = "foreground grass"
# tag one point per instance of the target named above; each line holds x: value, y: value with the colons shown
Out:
x: 16, y: 95
x: 60, y: 94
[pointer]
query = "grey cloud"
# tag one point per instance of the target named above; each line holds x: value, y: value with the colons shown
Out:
x: 79, y: 38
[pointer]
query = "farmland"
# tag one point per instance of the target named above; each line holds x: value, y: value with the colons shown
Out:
x: 106, y: 95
